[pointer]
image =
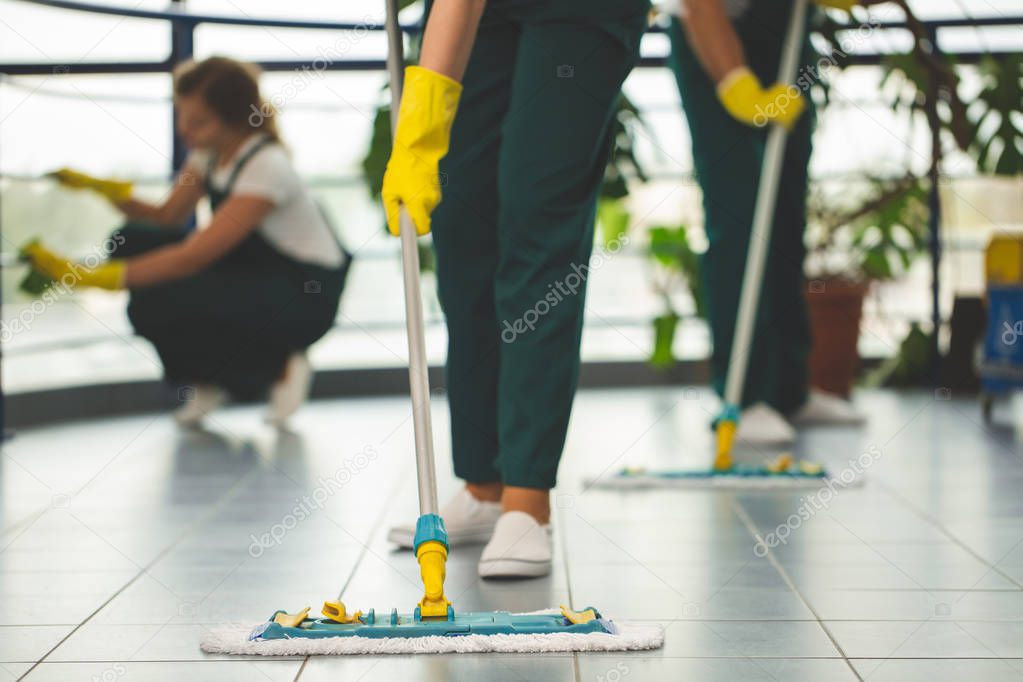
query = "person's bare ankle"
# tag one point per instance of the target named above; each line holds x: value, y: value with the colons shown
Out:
x: 534, y: 501
x: 485, y: 492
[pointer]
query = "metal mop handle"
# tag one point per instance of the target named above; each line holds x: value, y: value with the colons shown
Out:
x: 763, y: 214
x: 419, y: 380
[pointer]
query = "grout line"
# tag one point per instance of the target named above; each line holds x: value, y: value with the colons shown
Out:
x: 24, y: 524
x: 377, y: 523
x: 398, y: 482
x: 949, y: 534
x: 563, y: 541
x: 752, y: 528
x: 301, y: 668
x: 28, y: 520
x: 228, y: 495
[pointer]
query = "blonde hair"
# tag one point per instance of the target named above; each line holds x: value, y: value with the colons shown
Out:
x: 231, y: 89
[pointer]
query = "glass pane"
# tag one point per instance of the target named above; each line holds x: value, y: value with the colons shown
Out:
x: 31, y: 33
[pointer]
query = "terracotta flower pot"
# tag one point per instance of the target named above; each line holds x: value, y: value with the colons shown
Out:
x: 836, y: 307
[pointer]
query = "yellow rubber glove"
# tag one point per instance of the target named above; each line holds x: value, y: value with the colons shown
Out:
x: 746, y: 100
x: 108, y: 275
x: 428, y: 107
x: 846, y: 5
x: 117, y: 191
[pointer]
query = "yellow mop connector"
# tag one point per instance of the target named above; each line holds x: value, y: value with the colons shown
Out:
x: 433, y: 557
x: 725, y: 437
x: 431, y: 547
x: 725, y: 428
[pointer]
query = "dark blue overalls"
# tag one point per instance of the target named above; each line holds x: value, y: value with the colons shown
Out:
x: 235, y: 323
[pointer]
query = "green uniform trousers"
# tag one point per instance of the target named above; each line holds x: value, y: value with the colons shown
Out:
x: 727, y: 159
x: 514, y: 231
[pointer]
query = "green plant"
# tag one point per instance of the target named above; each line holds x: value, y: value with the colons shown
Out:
x: 997, y: 141
x: 678, y: 264
x: 910, y: 366
x: 877, y: 240
x: 374, y: 163
x: 623, y: 166
x: 665, y: 327
x: 34, y: 283
x: 990, y: 128
x: 925, y: 83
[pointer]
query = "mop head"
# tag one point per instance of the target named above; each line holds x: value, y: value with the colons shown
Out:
x: 742, y: 478
x: 498, y: 631
x: 782, y: 473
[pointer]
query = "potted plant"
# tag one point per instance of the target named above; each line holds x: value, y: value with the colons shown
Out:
x: 924, y: 85
x: 848, y: 250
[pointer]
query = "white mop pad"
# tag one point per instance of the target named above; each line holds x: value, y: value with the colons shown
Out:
x: 630, y: 637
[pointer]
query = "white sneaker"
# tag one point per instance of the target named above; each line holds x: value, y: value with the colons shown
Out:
x: 761, y: 424
x: 520, y: 548
x: 288, y: 394
x: 201, y: 400
x: 827, y: 408
x: 467, y: 520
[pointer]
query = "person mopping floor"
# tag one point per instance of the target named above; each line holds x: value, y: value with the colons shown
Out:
x: 528, y: 147
x: 231, y: 307
x: 422, y: 121
x: 722, y: 51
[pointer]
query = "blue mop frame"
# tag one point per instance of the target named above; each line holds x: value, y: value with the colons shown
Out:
x: 405, y: 625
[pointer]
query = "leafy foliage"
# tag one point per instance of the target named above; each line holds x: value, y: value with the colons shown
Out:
x: 665, y: 326
x: 34, y: 283
x: 670, y: 247
x: 375, y: 162
x: 928, y: 84
x: 613, y: 219
x: 909, y: 367
x: 623, y: 164
x: 998, y: 126
x: 878, y: 240
x: 679, y: 264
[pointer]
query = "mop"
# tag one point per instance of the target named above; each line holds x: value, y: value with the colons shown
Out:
x: 433, y: 626
x: 783, y: 471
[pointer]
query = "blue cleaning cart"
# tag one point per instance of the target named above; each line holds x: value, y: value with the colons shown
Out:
x: 1001, y: 364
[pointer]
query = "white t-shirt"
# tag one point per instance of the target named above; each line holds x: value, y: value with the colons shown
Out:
x: 294, y: 226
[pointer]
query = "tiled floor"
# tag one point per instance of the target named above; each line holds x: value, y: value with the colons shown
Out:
x: 122, y: 541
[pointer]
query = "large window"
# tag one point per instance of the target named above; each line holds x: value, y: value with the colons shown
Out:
x: 121, y: 125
